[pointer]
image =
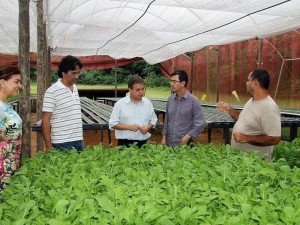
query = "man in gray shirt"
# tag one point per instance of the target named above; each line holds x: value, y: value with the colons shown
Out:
x: 258, y: 126
x: 184, y: 119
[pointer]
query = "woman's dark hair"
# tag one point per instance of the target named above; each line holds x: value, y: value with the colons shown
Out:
x: 135, y: 80
x: 6, y: 71
x: 182, y: 75
x: 262, y: 76
x: 68, y: 63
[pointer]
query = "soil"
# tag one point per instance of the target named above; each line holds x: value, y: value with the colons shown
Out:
x: 93, y: 137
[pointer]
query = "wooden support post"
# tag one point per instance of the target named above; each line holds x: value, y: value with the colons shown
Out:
x: 207, y: 75
x: 42, y: 53
x: 259, y: 61
x: 218, y: 75
x: 49, y: 71
x: 24, y: 65
x: 192, y: 72
x: 116, y: 80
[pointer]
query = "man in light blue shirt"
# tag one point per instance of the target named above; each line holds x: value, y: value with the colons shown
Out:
x: 133, y: 116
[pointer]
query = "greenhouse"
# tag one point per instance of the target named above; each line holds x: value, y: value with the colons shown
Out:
x: 218, y: 44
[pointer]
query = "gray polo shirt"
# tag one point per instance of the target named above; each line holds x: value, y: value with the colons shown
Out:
x: 258, y: 117
x: 183, y: 117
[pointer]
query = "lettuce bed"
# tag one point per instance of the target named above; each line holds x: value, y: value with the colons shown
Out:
x: 290, y: 151
x: 155, y: 185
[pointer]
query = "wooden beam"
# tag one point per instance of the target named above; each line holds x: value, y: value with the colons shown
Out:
x: 41, y: 68
x: 259, y: 61
x: 24, y: 65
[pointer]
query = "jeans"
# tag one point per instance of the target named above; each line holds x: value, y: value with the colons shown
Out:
x: 78, y: 145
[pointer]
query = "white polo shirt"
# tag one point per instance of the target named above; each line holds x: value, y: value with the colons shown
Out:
x: 66, y: 121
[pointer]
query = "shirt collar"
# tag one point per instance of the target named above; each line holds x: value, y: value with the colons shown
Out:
x: 186, y: 95
x: 128, y: 99
x: 61, y: 85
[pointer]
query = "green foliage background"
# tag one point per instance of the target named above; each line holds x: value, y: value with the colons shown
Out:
x: 151, y: 74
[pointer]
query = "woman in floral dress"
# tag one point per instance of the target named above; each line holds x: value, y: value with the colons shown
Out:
x: 10, y: 124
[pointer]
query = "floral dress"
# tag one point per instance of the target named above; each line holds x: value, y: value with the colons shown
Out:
x: 10, y: 127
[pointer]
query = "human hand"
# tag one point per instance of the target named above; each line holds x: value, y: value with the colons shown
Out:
x: 240, y: 137
x: 134, y: 127
x: 185, y: 139
x: 223, y: 106
x: 144, y: 129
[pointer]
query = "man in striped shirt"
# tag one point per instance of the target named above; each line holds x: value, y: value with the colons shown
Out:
x: 61, y: 118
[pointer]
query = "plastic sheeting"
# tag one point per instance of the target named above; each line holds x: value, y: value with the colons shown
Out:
x: 96, y: 62
x: 280, y: 56
x: 155, y: 30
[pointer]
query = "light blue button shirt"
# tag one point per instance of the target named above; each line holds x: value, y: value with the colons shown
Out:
x: 126, y: 111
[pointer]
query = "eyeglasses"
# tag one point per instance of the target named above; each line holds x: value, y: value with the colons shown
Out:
x: 74, y: 73
x: 174, y: 81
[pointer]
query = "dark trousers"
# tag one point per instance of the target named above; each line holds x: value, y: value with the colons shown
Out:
x: 69, y: 145
x: 127, y: 143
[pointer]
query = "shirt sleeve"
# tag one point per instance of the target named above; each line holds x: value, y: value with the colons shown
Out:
x: 199, y: 121
x: 165, y: 128
x: 271, y: 123
x: 115, y: 116
x: 48, y: 102
x: 153, y: 116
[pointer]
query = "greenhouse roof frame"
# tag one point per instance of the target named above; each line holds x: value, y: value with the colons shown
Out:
x: 155, y: 30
